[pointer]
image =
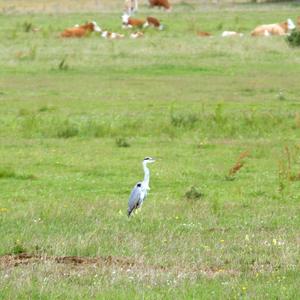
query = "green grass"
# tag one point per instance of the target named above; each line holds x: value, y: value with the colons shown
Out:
x: 78, y: 116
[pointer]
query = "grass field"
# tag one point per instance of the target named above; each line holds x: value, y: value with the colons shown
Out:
x: 222, y: 117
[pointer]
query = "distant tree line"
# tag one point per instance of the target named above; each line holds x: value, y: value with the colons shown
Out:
x: 271, y: 1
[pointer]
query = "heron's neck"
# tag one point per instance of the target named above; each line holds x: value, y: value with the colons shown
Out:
x: 146, y: 176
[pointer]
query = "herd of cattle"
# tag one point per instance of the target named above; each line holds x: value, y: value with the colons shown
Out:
x: 128, y: 21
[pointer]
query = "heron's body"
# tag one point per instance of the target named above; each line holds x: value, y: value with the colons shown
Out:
x: 140, y: 190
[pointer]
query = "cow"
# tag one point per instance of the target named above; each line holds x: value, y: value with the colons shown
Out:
x: 112, y: 35
x: 203, y: 34
x: 133, y: 22
x: 129, y: 22
x: 81, y: 31
x: 274, y: 29
x: 151, y: 21
x: 136, y: 35
x: 231, y: 33
x: 161, y: 4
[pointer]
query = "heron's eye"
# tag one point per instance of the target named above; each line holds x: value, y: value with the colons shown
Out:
x: 139, y: 185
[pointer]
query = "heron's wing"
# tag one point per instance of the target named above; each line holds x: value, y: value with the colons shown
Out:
x: 134, y: 199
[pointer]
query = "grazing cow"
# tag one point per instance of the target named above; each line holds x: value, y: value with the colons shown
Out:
x: 273, y: 29
x: 151, y: 21
x: 128, y: 22
x: 130, y: 7
x: 81, y: 31
x: 133, y: 22
x: 231, y: 33
x: 161, y: 4
x: 203, y: 34
x: 136, y: 35
x: 112, y: 35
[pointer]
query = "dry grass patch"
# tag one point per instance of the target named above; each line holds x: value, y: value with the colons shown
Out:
x: 121, y: 264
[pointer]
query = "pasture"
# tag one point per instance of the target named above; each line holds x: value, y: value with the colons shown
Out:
x: 222, y: 117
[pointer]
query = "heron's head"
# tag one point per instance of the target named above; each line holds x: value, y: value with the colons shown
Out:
x: 148, y: 160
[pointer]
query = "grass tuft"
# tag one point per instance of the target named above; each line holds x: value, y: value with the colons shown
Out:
x: 122, y: 142
x: 63, y: 66
x: 29, y: 55
x: 237, y: 166
x: 9, y: 173
x: 18, y: 248
x: 287, y: 166
x: 193, y: 193
x: 67, y: 130
x: 27, y: 26
x: 46, y: 108
x: 184, y: 120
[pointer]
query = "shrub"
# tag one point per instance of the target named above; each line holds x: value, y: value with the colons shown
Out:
x: 294, y: 38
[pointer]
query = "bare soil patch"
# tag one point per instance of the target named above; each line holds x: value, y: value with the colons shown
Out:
x: 10, y: 261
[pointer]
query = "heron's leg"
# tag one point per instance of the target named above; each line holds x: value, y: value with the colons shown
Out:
x: 136, y: 209
x: 139, y: 207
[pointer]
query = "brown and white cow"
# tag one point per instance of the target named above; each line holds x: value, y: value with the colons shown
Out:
x: 81, y: 31
x: 136, y: 35
x: 112, y: 35
x: 274, y: 29
x: 161, y: 3
x: 151, y: 21
x: 129, y: 22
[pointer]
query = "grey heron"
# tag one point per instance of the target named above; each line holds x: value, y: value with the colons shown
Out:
x: 139, y: 192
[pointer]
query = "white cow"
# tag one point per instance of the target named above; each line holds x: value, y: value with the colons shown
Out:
x: 231, y: 33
